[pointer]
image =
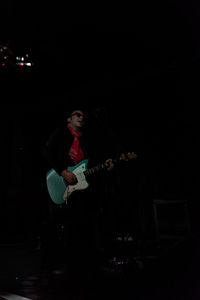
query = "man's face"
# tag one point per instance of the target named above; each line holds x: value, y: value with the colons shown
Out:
x: 77, y: 119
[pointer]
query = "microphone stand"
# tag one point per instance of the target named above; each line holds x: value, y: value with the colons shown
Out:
x: 101, y: 116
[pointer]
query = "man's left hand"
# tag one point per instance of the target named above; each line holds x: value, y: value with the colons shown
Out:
x: 111, y: 164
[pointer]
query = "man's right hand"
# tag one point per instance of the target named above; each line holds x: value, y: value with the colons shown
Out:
x: 69, y: 177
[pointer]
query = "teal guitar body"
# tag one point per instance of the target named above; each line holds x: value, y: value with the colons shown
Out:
x: 58, y: 190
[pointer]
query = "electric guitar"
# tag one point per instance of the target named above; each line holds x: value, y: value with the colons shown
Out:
x: 60, y: 192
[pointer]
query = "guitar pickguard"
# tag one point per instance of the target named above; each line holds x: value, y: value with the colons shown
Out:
x: 82, y: 183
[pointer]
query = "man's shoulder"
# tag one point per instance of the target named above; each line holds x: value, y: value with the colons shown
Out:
x: 59, y: 134
x: 61, y: 131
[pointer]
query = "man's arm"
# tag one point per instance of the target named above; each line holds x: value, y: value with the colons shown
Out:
x: 56, y: 149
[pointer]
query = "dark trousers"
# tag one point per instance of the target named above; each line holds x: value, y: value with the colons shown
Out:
x: 70, y: 240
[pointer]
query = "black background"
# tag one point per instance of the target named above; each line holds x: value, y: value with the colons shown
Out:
x: 138, y: 65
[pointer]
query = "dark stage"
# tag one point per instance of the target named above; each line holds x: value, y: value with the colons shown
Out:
x: 136, y: 72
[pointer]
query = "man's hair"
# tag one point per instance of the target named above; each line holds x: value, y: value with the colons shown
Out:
x: 71, y: 109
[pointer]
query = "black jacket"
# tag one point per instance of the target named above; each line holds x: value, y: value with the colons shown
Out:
x: 56, y: 150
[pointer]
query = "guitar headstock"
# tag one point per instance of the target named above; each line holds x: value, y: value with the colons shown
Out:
x: 128, y: 156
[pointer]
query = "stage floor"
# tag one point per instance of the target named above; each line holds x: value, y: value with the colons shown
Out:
x: 122, y: 272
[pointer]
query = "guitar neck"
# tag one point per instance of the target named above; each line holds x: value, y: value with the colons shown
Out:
x: 105, y: 165
x: 96, y: 169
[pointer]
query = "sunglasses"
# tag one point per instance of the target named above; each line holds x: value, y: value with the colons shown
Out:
x: 78, y: 115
